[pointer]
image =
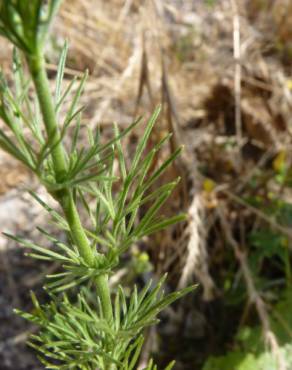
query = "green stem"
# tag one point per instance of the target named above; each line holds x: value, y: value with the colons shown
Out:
x: 69, y: 208
x: 102, y: 286
x: 36, y: 65
x: 37, y: 69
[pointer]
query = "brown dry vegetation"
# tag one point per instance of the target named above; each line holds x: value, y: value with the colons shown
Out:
x: 227, y: 99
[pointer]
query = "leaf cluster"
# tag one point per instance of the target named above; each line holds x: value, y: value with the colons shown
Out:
x: 113, y: 214
x: 92, y: 178
x: 26, y: 23
x: 27, y: 141
x: 77, y: 336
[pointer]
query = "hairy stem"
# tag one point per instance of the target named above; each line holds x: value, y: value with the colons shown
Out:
x: 36, y: 65
x: 37, y: 69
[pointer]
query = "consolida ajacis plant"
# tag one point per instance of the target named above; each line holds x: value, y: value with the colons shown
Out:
x: 100, y: 327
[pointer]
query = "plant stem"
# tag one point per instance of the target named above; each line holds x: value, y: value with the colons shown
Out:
x: 36, y: 65
x: 37, y: 69
x: 102, y: 286
x: 69, y: 208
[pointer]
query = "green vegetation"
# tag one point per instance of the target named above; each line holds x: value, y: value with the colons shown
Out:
x: 98, y: 327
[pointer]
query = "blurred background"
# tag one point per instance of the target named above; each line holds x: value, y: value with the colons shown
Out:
x: 222, y: 71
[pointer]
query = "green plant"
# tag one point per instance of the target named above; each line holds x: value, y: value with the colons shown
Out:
x: 97, y: 328
x: 250, y: 352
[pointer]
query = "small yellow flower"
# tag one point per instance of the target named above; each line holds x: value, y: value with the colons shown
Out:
x: 289, y: 84
x: 209, y: 185
x: 280, y: 161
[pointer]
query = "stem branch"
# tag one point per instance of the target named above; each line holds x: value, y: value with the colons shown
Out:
x: 36, y: 65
